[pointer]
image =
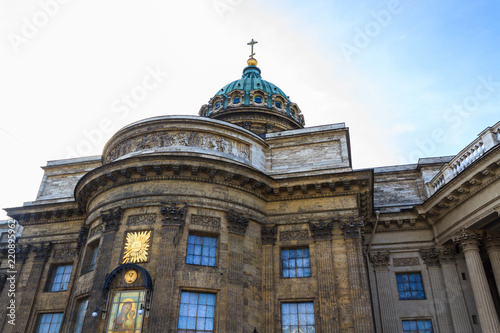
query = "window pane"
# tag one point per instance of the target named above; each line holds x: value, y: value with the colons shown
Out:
x: 197, y: 312
x: 295, y: 263
x: 297, y: 317
x: 50, y: 322
x: 410, y: 286
x: 82, y: 309
x: 201, y: 250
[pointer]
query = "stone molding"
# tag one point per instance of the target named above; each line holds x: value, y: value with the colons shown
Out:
x: 321, y: 231
x: 65, y: 253
x: 268, y: 235
x: 237, y: 223
x: 380, y: 259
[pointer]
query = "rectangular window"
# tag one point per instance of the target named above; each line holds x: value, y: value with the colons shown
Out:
x: 410, y: 286
x: 201, y: 250
x: 60, y: 278
x: 82, y: 310
x: 124, y: 313
x: 49, y: 322
x: 196, y: 313
x: 295, y: 263
x: 297, y: 317
x: 93, y: 258
x: 417, y: 326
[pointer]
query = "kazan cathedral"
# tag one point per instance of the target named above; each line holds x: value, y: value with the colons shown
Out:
x: 243, y: 220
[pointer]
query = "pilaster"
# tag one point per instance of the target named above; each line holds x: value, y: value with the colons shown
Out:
x: 492, y: 242
x: 162, y: 312
x: 380, y: 262
x: 358, y: 277
x: 268, y: 237
x: 42, y: 253
x: 111, y: 220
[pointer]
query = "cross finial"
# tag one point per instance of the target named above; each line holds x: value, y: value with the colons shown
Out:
x: 251, y: 43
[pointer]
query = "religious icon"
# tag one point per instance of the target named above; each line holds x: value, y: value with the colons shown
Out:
x: 124, y: 314
x: 136, y: 247
x: 130, y: 276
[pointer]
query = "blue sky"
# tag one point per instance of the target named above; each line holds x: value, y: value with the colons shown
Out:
x: 396, y: 72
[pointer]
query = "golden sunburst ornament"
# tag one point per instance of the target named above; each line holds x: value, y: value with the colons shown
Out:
x: 136, y: 247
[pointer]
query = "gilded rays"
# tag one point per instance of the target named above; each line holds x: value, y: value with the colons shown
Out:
x: 136, y: 247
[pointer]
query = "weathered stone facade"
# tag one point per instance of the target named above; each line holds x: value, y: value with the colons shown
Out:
x: 175, y: 178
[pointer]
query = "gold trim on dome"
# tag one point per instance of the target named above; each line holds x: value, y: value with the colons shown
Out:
x: 136, y: 247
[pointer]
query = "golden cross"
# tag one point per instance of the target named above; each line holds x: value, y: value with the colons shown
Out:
x: 252, y: 42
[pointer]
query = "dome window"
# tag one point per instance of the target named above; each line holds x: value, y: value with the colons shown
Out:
x: 236, y: 100
x: 278, y: 104
x: 217, y: 105
x: 258, y: 99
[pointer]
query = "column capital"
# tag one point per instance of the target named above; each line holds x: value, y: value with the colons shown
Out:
x: 173, y: 215
x: 492, y: 239
x: 321, y: 231
x: 440, y: 255
x: 353, y: 230
x: 237, y: 223
x: 111, y: 219
x: 468, y: 239
x: 380, y: 259
x: 268, y: 235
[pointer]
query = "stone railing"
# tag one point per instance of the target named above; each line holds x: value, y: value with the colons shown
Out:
x: 486, y: 140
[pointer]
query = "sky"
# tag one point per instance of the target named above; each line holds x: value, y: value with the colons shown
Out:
x: 409, y: 78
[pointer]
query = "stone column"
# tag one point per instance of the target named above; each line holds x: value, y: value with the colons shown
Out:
x: 492, y: 242
x: 268, y: 237
x: 237, y: 225
x: 469, y: 241
x: 332, y: 288
x: 431, y: 259
x: 111, y: 220
x: 26, y: 302
x: 380, y: 262
x: 358, y: 277
x: 459, y: 315
x: 163, y: 316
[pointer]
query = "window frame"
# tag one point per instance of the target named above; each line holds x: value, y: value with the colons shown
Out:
x: 282, y: 268
x: 203, y: 235
x: 79, y: 303
x: 198, y: 292
x: 52, y: 276
x: 297, y: 302
x: 417, y: 320
x: 87, y: 259
x: 40, y: 317
x: 411, y: 291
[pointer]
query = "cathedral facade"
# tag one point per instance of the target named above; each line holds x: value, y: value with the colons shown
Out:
x: 243, y: 220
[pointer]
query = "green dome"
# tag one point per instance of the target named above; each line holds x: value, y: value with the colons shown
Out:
x: 250, y: 81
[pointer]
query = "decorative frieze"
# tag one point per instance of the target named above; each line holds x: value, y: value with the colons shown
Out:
x: 173, y: 215
x: 237, y: 223
x: 294, y: 235
x: 207, y: 221
x: 380, y: 259
x: 143, y: 219
x: 111, y: 219
x: 268, y: 235
x: 407, y: 261
x: 65, y: 253
x: 96, y: 230
x: 353, y: 230
x: 166, y: 139
x: 321, y: 231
